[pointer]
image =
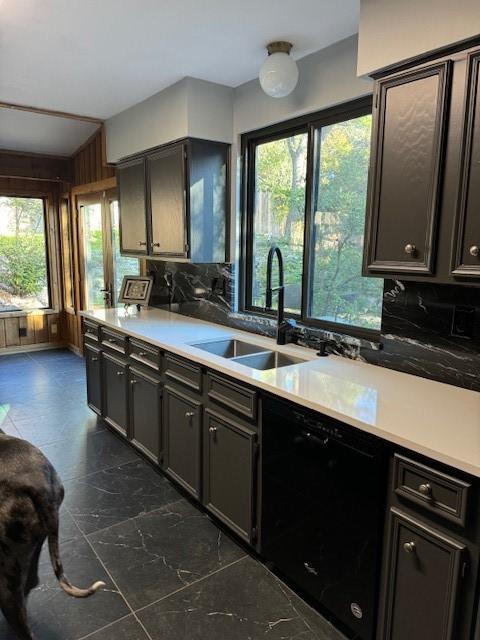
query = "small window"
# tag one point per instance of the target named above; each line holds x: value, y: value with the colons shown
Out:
x: 24, y: 281
x: 306, y: 193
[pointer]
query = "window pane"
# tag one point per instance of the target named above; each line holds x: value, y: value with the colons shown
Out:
x: 122, y: 265
x: 67, y: 249
x: 93, y: 249
x: 279, y: 215
x: 339, y: 292
x: 23, y: 255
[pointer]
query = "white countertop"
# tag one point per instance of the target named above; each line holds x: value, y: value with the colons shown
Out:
x: 434, y: 419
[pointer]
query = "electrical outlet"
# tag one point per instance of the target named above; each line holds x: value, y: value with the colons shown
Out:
x: 463, y: 322
x: 22, y: 332
x: 53, y: 329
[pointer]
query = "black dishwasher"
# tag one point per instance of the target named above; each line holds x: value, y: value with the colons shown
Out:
x: 323, y: 503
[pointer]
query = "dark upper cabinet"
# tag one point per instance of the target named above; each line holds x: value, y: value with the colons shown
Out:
x: 145, y: 412
x: 115, y: 390
x: 406, y: 169
x: 166, y: 174
x: 425, y: 570
x: 132, y: 197
x: 182, y: 417
x: 184, y: 209
x: 229, y: 472
x: 94, y: 377
x: 466, y: 256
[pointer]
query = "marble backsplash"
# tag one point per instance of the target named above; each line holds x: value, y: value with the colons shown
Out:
x: 428, y: 330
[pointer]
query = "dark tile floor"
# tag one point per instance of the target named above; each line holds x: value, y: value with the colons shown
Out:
x: 170, y: 573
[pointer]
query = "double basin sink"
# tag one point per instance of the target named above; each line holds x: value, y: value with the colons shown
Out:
x: 250, y: 355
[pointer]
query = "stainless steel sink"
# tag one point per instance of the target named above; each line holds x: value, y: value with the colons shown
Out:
x: 229, y: 348
x: 267, y: 360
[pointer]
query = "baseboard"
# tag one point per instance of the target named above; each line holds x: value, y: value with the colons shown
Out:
x: 74, y: 349
x: 25, y: 348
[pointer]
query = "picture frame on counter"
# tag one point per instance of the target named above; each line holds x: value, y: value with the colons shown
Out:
x: 136, y: 290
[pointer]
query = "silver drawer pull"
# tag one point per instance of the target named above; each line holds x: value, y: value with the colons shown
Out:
x: 426, y: 490
x: 213, y: 429
x: 410, y: 547
x: 189, y: 414
x: 142, y: 354
x: 94, y: 359
x: 133, y: 381
x: 120, y: 373
x: 112, y: 340
x: 474, y: 251
x: 410, y: 249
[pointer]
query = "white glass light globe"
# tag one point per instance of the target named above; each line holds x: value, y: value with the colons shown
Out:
x: 278, y: 75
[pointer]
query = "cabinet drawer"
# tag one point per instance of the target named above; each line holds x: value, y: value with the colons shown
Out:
x: 233, y: 396
x: 145, y: 353
x: 435, y: 491
x: 184, y: 372
x: 114, y: 340
x: 91, y: 330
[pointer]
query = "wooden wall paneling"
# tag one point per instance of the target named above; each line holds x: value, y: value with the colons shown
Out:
x: 11, y: 332
x: 40, y: 324
x: 2, y: 333
x: 35, y: 167
x: 27, y: 323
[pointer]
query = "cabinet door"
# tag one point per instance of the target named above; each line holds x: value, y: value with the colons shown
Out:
x: 406, y: 168
x: 466, y: 260
x: 182, y: 425
x: 132, y: 200
x: 115, y: 391
x: 166, y: 175
x: 229, y: 472
x: 145, y: 405
x: 94, y: 377
x: 424, y: 574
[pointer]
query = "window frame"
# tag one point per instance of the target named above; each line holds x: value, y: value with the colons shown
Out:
x: 51, y: 266
x: 304, y: 124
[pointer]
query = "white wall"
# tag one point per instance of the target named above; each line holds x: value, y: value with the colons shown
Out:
x: 395, y: 30
x: 327, y: 77
x: 190, y: 107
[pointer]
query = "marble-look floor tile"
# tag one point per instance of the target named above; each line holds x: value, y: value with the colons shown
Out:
x: 86, y: 454
x: 126, y: 629
x: 117, y: 494
x: 54, y: 615
x: 241, y: 601
x: 155, y: 554
x: 48, y: 429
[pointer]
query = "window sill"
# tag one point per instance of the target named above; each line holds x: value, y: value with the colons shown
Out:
x: 30, y: 312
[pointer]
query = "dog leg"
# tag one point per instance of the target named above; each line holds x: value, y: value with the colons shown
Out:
x: 32, y: 578
x: 15, y: 612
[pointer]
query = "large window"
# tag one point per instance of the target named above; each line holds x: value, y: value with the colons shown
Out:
x: 24, y: 282
x: 306, y: 193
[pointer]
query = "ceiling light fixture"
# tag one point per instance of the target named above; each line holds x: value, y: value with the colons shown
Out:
x: 279, y: 73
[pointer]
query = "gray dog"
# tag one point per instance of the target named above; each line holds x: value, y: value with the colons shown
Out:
x: 30, y: 496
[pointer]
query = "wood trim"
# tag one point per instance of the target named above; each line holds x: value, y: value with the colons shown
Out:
x: 95, y: 187
x: 371, y: 265
x: 50, y: 112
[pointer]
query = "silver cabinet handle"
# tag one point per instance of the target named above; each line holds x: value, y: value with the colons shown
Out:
x: 213, y: 429
x: 410, y: 249
x: 142, y: 244
x: 426, y: 490
x: 133, y: 381
x: 142, y: 354
x: 410, y: 547
x: 94, y: 359
x: 112, y: 340
x: 189, y: 414
x: 120, y: 373
x: 474, y: 251
x: 155, y: 244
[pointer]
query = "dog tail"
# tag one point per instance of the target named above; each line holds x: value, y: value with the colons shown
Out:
x: 58, y: 570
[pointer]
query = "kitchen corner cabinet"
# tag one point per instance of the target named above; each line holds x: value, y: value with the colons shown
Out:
x: 425, y: 172
x: 425, y: 570
x: 174, y: 202
x: 93, y: 367
x: 229, y: 471
x: 145, y: 412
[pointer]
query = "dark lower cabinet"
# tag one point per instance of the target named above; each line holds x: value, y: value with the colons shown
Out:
x: 145, y: 412
x: 94, y: 377
x: 229, y: 472
x: 424, y: 575
x: 115, y: 379
x: 182, y: 417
